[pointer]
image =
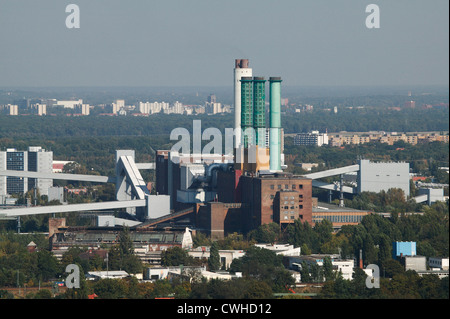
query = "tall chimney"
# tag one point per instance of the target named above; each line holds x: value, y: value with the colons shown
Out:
x: 259, y: 110
x: 275, y: 124
x: 240, y: 69
x: 360, y: 259
x: 246, y: 108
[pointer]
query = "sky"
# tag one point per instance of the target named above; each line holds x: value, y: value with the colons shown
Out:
x: 148, y: 43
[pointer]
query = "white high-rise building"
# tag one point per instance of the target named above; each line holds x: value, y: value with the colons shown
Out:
x: 241, y: 69
x: 39, y: 109
x: 83, y: 109
x: 12, y: 109
x: 35, y: 159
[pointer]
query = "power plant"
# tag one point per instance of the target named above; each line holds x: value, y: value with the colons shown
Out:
x: 220, y: 193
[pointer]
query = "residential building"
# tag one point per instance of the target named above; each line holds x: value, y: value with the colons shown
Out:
x: 39, y: 109
x: 312, y: 138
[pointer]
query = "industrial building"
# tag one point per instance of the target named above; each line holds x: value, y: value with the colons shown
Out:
x: 239, y: 192
x: 337, y: 215
x: 403, y: 248
x: 220, y: 193
x: 376, y: 176
x: 148, y: 244
x: 35, y: 159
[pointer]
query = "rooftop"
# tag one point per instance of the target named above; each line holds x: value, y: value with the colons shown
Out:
x: 331, y: 208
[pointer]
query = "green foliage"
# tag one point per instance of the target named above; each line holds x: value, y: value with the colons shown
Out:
x: 265, y: 265
x: 214, y: 258
x: 267, y: 233
x: 240, y: 288
x: 176, y: 256
x: 122, y: 257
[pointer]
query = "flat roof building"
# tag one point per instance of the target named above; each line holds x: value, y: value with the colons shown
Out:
x: 35, y: 159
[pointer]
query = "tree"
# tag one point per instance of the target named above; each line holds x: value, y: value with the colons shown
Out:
x: 304, y: 272
x: 47, y: 265
x: 175, y: 256
x: 110, y: 288
x: 324, y: 230
x: 122, y: 256
x: 263, y: 264
x: 328, y: 269
x: 267, y: 233
x: 214, y: 258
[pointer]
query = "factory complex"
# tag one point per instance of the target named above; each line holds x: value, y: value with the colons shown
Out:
x: 216, y: 194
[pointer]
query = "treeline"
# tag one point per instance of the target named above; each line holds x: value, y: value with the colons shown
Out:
x: 351, y: 120
x: 263, y: 272
x: 97, y: 153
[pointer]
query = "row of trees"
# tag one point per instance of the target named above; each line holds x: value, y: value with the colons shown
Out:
x: 354, y: 120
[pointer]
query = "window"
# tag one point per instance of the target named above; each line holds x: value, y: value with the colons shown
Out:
x: 300, y: 186
x: 279, y: 186
x: 272, y: 186
x: 272, y: 196
x: 300, y: 206
x: 294, y: 186
x: 286, y: 186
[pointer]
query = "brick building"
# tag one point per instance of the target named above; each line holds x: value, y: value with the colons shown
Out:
x: 281, y: 198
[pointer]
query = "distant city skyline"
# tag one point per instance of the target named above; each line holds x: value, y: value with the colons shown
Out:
x: 194, y: 43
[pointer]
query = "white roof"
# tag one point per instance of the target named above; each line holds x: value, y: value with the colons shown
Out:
x: 111, y: 273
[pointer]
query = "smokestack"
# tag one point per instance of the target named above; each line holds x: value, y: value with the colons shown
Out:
x: 275, y: 123
x: 240, y: 69
x: 259, y: 110
x: 360, y: 259
x: 246, y: 108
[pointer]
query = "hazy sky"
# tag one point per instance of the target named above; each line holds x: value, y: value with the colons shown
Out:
x: 195, y: 42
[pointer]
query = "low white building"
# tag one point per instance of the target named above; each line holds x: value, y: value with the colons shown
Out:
x: 281, y: 249
x: 187, y: 272
x: 345, y: 266
x: 438, y: 263
x: 226, y: 256
x: 113, y: 274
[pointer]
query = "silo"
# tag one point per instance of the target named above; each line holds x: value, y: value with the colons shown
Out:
x: 275, y: 123
x: 259, y: 110
x: 246, y: 109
